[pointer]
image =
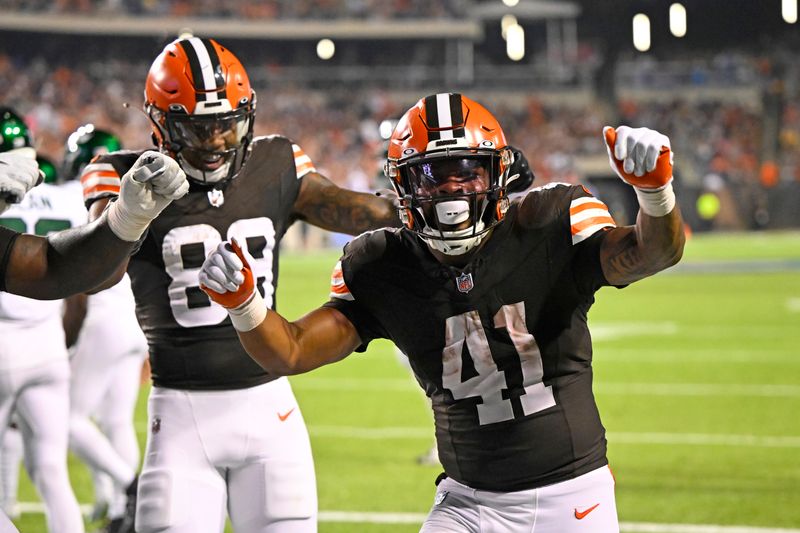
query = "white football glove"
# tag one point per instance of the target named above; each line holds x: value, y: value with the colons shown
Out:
x: 147, y: 188
x: 19, y: 173
x: 226, y: 277
x: 222, y: 270
x: 638, y: 150
x: 643, y: 158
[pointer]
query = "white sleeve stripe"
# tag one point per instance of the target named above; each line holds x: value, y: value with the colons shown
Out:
x: 584, y: 200
x: 302, y: 160
x: 588, y: 213
x: 588, y: 232
x: 346, y: 296
x: 99, y: 167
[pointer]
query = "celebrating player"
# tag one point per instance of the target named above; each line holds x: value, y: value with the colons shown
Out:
x: 489, y: 300
x: 224, y: 434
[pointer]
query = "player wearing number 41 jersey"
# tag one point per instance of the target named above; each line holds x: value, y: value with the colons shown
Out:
x: 225, y: 436
x: 489, y: 300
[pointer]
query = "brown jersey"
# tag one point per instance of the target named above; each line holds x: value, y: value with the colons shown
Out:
x: 191, y: 341
x: 501, y: 346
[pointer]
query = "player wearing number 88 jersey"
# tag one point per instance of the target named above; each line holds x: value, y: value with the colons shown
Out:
x: 225, y: 436
x: 489, y: 300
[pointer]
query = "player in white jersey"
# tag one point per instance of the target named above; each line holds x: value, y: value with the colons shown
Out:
x: 34, y: 365
x: 106, y: 362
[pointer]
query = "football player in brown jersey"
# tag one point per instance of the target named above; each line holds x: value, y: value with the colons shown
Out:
x: 226, y: 437
x: 489, y: 300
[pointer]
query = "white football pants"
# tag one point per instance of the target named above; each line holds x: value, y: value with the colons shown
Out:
x: 585, y: 504
x: 40, y: 397
x: 245, y: 451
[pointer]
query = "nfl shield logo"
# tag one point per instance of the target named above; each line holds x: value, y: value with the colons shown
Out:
x: 216, y: 197
x: 464, y: 282
x: 155, y: 427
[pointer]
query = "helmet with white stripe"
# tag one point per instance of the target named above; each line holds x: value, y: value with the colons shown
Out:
x: 201, y: 106
x: 85, y: 144
x: 448, y: 161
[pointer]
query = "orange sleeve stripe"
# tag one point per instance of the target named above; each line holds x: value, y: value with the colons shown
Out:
x: 104, y: 188
x: 304, y: 166
x: 588, y: 205
x: 340, y: 289
x: 583, y: 224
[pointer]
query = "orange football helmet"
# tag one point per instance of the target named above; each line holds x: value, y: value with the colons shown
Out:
x: 201, y: 107
x: 448, y: 161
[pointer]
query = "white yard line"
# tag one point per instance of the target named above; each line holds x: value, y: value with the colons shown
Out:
x: 417, y: 518
x: 698, y: 389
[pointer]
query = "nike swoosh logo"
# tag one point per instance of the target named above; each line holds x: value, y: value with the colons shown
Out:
x: 580, y: 515
x: 284, y: 416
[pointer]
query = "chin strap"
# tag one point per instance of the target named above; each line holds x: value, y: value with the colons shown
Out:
x: 210, y: 178
x: 454, y: 245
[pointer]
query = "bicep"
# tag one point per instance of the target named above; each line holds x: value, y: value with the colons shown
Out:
x: 620, y: 256
x: 27, y: 266
x: 327, y: 332
x: 281, y: 347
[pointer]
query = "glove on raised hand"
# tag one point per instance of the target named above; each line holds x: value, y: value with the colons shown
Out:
x: 19, y: 173
x: 642, y: 157
x: 147, y: 188
x: 226, y: 277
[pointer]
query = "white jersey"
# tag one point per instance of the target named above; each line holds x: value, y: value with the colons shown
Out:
x: 45, y: 209
x: 116, y: 302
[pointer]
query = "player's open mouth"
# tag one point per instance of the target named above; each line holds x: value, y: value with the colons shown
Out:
x: 213, y: 162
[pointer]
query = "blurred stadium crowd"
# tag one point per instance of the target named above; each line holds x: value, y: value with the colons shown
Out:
x: 279, y: 9
x: 733, y: 116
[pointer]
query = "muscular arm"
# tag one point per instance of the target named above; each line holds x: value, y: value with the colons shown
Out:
x: 285, y: 348
x: 323, y: 204
x: 65, y: 263
x: 631, y: 253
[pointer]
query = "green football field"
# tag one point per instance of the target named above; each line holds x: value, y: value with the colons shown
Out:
x: 697, y: 374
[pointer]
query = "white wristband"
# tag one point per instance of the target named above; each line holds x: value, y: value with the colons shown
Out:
x: 124, y: 224
x: 250, y: 314
x: 656, y: 202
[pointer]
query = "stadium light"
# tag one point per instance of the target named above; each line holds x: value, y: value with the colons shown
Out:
x: 325, y: 49
x: 641, y: 32
x: 511, y: 3
x: 677, y: 20
x: 515, y: 42
x: 505, y: 22
x: 789, y: 11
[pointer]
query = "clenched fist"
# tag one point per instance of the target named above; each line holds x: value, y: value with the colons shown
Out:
x: 226, y: 276
x: 147, y: 188
x: 228, y: 280
x: 643, y: 158
x: 19, y: 173
x: 640, y: 156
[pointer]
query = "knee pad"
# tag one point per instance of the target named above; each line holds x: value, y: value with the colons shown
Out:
x: 168, y: 498
x: 158, y: 502
x: 291, y: 491
x: 273, y: 491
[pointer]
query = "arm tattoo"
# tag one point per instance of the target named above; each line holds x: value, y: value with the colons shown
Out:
x: 323, y: 204
x: 631, y: 253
